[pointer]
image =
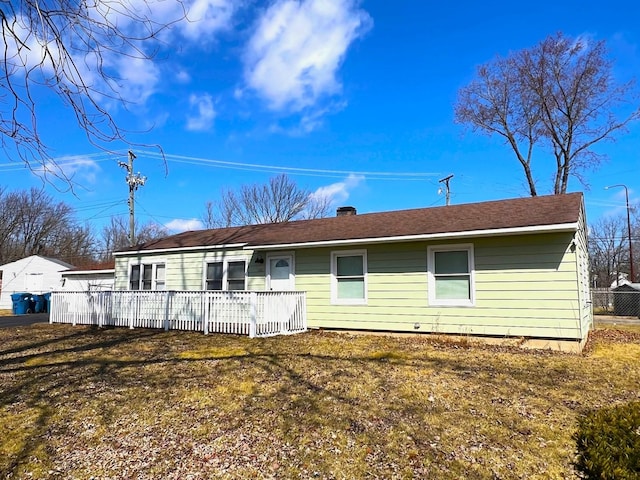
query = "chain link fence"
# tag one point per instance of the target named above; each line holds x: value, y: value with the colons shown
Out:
x: 623, y: 301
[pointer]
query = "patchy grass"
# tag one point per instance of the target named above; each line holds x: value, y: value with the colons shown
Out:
x: 78, y: 402
x: 625, y: 326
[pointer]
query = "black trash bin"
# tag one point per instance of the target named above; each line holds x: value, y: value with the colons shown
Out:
x: 21, y: 303
x: 47, y: 302
x: 39, y: 304
x: 626, y: 300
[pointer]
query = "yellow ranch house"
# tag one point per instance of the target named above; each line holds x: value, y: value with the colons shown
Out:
x: 514, y: 268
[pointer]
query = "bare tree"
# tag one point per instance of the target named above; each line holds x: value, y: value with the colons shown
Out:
x: 280, y: 200
x: 210, y: 218
x: 318, y: 206
x: 32, y: 223
x: 115, y: 235
x: 69, y: 48
x: 608, y: 249
x: 559, y: 94
x: 8, y: 225
x: 74, y: 244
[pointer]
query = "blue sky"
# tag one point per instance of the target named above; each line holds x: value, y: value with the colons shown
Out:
x: 352, y: 99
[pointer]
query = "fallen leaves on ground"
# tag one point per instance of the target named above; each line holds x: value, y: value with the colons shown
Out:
x: 82, y: 402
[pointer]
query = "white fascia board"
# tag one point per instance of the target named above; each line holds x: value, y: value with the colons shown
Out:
x: 85, y: 272
x: 562, y: 227
x: 131, y: 253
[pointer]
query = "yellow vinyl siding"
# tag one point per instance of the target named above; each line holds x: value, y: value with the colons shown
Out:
x: 440, y: 326
x: 185, y: 270
x: 469, y: 314
x: 542, y: 295
x: 524, y: 286
x: 584, y: 279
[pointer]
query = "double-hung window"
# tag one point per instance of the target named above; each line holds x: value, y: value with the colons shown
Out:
x: 225, y: 275
x: 451, y: 275
x: 214, y: 276
x: 147, y: 276
x: 349, y: 277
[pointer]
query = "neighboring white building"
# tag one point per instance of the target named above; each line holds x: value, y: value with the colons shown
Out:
x: 620, y: 280
x: 96, y: 277
x: 34, y: 274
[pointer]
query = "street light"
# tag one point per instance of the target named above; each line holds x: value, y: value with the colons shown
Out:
x: 626, y: 193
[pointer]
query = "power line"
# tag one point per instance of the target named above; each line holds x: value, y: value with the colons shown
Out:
x: 286, y: 169
x: 67, y: 161
x: 97, y: 205
x: 99, y: 214
x: 150, y: 214
x: 64, y: 161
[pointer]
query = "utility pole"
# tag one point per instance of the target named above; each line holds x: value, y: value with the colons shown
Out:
x: 447, y: 190
x: 134, y: 180
x: 626, y: 194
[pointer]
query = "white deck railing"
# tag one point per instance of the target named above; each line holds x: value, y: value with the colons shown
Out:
x: 257, y: 314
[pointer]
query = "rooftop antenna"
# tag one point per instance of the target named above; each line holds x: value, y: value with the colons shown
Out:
x: 445, y: 180
x: 134, y: 180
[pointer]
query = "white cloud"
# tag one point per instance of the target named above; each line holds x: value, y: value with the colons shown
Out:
x: 313, y: 119
x: 197, y: 20
x: 81, y: 170
x: 183, y: 224
x: 138, y: 78
x: 339, y: 192
x: 206, y: 17
x: 309, y: 120
x: 183, y: 76
x: 293, y: 57
x: 132, y: 73
x: 205, y: 113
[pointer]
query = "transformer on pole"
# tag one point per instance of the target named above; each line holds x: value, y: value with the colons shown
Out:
x: 134, y: 180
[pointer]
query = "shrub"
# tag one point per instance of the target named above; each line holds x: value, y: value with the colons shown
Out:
x: 608, y: 443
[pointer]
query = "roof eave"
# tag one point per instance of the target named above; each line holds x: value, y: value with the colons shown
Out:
x: 86, y: 272
x: 178, y: 249
x: 563, y: 227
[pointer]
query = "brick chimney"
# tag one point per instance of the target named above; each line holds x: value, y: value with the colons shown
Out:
x: 345, y: 211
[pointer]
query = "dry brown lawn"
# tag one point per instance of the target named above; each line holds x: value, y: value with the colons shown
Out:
x: 81, y: 403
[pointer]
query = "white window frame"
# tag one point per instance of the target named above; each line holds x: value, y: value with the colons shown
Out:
x: 431, y: 254
x: 225, y: 271
x: 334, y: 277
x: 154, y: 274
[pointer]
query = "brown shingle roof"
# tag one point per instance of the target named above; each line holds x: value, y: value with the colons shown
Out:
x: 90, y: 267
x: 502, y: 214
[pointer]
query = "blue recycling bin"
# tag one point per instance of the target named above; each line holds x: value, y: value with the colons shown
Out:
x: 39, y: 304
x: 21, y: 303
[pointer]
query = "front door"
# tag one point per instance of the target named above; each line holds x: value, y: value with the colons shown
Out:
x: 280, y: 275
